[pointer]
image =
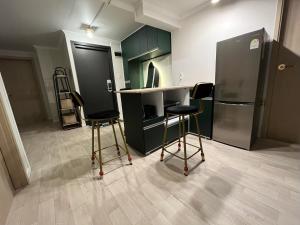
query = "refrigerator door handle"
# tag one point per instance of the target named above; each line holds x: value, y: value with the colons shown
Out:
x: 231, y: 103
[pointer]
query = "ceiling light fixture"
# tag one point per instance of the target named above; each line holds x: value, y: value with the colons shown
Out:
x: 214, y: 1
x: 89, y: 28
x: 90, y: 32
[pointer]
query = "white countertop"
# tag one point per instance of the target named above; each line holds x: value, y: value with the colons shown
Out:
x: 149, y: 90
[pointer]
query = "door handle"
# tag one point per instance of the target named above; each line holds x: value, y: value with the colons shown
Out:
x: 282, y: 67
x: 109, y: 85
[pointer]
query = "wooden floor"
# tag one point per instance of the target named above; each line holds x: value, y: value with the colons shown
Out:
x: 233, y: 186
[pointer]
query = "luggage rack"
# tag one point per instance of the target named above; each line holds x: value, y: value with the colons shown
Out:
x: 67, y: 112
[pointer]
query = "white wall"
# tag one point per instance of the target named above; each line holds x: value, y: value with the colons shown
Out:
x: 117, y: 61
x: 194, y: 45
x: 48, y: 59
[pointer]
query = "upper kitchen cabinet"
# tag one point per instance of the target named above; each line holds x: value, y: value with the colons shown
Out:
x: 128, y: 47
x: 146, y: 43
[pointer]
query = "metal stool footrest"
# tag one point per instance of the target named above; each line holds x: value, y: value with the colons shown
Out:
x: 182, y: 135
x: 118, y: 152
x: 174, y: 154
x: 96, y: 124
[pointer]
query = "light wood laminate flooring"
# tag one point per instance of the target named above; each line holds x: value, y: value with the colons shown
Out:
x: 232, y: 186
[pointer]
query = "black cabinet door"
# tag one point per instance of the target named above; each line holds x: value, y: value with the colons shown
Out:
x: 95, y: 77
x: 205, y: 119
x: 153, y: 136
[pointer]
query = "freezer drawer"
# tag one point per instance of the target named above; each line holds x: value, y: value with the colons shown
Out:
x: 233, y: 124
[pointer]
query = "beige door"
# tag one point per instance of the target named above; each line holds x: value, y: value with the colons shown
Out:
x: 284, y: 121
x: 23, y: 91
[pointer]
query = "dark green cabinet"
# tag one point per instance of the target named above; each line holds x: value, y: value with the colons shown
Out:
x: 129, y: 47
x: 134, y: 71
x: 143, y: 135
x: 145, y: 40
x: 164, y: 43
x: 146, y: 43
x: 205, y: 119
x: 152, y: 38
x: 142, y: 40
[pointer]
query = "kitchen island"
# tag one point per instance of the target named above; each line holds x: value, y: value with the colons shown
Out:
x: 144, y: 115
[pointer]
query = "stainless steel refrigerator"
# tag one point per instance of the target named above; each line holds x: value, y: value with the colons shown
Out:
x: 240, y: 71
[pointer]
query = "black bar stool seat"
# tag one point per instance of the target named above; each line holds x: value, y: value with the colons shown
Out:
x: 182, y: 109
x: 104, y: 115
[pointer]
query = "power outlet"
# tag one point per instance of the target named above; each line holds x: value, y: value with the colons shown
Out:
x: 180, y: 77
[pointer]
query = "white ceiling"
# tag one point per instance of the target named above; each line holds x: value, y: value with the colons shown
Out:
x: 181, y: 8
x: 37, y: 22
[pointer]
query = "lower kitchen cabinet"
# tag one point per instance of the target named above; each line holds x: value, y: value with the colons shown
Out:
x: 153, y: 137
x: 205, y: 119
x: 145, y: 133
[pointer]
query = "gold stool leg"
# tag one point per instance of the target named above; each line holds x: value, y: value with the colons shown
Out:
x: 164, y: 139
x: 115, y: 136
x: 123, y: 137
x: 93, y: 143
x: 200, y: 142
x: 186, y: 169
x: 99, y: 146
x: 179, y: 135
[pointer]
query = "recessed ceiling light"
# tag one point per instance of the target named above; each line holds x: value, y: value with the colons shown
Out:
x: 214, y: 1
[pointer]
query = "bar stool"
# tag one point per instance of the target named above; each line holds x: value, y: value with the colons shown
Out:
x: 96, y: 119
x: 200, y: 90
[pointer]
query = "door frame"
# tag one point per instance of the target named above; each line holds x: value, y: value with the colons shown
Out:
x: 88, y: 46
x: 12, y: 147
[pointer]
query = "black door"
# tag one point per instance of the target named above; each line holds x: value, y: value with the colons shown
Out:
x: 95, y: 77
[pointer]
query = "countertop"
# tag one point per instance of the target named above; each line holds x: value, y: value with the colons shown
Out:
x: 149, y: 90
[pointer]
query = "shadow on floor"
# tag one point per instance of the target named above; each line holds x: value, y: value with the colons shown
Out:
x: 208, y: 200
x: 270, y: 145
x: 80, y: 168
x: 176, y: 165
x: 274, y: 145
